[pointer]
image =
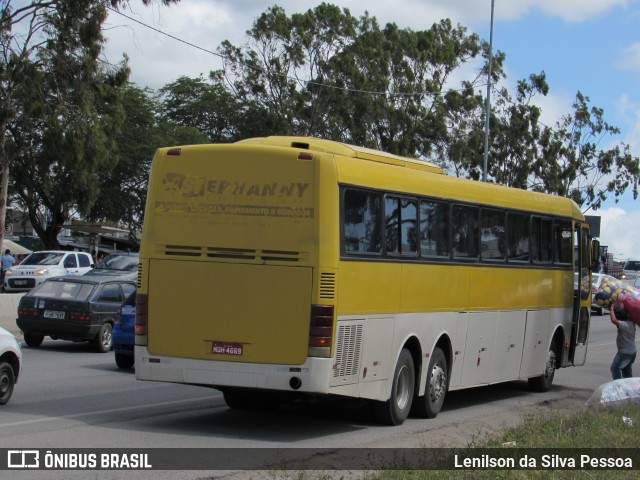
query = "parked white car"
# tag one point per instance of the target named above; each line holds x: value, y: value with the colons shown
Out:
x: 10, y: 362
x: 38, y: 266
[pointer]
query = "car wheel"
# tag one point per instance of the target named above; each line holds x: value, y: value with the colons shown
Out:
x: 396, y: 410
x: 125, y: 362
x: 437, y: 384
x: 33, y: 340
x: 104, y: 339
x: 7, y: 381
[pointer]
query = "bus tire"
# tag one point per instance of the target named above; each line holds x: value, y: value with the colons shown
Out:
x: 544, y: 381
x: 237, y: 399
x: 436, y: 387
x: 396, y: 410
x: 33, y: 339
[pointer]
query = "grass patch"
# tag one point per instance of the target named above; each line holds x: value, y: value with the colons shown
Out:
x: 596, y: 427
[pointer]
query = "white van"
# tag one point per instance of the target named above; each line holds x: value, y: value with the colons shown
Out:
x: 38, y: 266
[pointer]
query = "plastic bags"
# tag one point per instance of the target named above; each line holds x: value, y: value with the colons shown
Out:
x: 612, y: 291
x: 617, y: 391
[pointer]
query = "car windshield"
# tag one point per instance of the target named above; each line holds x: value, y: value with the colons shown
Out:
x: 64, y: 290
x: 632, y: 265
x: 127, y: 263
x: 43, y: 258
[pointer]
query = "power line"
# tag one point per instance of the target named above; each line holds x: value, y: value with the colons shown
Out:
x: 308, y: 82
x: 167, y: 34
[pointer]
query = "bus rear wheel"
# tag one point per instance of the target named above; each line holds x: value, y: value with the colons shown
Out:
x: 430, y: 404
x: 240, y: 399
x: 396, y: 410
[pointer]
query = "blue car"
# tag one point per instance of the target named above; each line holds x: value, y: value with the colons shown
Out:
x: 124, y: 333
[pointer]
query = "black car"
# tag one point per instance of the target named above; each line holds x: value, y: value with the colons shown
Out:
x: 123, y: 265
x: 77, y: 308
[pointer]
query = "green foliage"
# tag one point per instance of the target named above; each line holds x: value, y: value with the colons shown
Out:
x: 572, y: 164
x: 123, y: 192
x: 67, y: 114
x: 194, y: 102
x: 326, y: 73
x: 79, y: 139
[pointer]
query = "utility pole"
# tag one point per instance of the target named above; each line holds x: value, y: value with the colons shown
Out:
x: 486, y: 121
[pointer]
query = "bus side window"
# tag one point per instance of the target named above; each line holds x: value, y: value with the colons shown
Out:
x: 492, y: 245
x: 541, y: 240
x: 518, y: 235
x: 466, y: 232
x: 434, y: 229
x: 562, y: 242
x: 401, y: 219
x: 362, y: 222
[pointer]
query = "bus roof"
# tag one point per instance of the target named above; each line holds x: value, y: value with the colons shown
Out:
x: 446, y: 186
x: 344, y: 149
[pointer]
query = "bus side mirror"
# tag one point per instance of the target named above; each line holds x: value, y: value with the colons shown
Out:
x: 595, y: 255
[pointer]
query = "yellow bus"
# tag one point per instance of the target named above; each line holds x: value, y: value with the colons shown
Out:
x: 285, y: 268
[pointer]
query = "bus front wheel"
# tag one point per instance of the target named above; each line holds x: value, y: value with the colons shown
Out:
x: 437, y: 384
x: 396, y: 410
x: 544, y: 381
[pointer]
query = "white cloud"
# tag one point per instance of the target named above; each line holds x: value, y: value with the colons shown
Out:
x: 630, y: 114
x: 158, y: 59
x: 630, y: 58
x: 618, y: 232
x: 576, y: 10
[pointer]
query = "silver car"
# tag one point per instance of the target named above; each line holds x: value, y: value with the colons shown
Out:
x: 10, y: 362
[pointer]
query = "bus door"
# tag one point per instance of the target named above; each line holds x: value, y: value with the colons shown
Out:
x: 581, y: 295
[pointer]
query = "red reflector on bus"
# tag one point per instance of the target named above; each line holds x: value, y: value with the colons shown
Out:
x: 321, y: 326
x: 305, y: 156
x: 175, y: 151
x: 141, y: 314
x: 319, y: 341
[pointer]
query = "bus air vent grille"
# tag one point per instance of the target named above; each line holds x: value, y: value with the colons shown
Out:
x: 327, y: 285
x: 235, y: 254
x: 348, y: 350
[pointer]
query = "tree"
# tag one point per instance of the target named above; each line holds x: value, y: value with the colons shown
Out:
x: 47, y: 118
x: 326, y: 73
x: 123, y: 193
x: 208, y: 107
x: 68, y: 115
x: 573, y: 164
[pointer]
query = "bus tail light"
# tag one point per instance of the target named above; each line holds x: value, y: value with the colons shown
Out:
x: 321, y: 331
x: 141, y: 319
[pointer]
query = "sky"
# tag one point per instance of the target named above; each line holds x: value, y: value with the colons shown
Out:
x: 590, y: 46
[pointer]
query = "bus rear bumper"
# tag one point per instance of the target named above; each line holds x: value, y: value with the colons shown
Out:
x: 310, y: 377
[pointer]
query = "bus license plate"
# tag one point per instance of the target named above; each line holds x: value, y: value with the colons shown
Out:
x: 53, y: 314
x: 225, y: 348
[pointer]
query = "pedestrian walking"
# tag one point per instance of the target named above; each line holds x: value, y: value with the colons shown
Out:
x: 625, y: 341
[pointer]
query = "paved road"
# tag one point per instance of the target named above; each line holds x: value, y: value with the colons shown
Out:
x: 69, y: 396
